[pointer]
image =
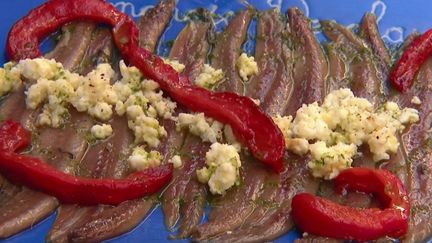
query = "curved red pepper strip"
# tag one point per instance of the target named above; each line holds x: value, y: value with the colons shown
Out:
x: 254, y: 128
x: 323, y: 217
x: 26, y: 34
x: 403, y: 74
x: 36, y: 174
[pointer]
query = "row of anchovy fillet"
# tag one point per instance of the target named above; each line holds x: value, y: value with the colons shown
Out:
x: 293, y: 69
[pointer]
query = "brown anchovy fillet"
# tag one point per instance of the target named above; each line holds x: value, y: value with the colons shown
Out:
x: 398, y: 164
x: 153, y: 23
x: 230, y: 211
x: 336, y: 80
x: 273, y: 79
x: 237, y: 203
x: 32, y: 206
x: 102, y: 160
x: 28, y: 207
x: 190, y: 48
x: 71, y: 47
x: 192, y: 210
x: 227, y: 50
x: 99, y: 50
x: 364, y: 77
x: 108, y: 221
x: 369, y: 31
x: 7, y: 190
x: 316, y: 239
x: 271, y: 217
x: 310, y: 65
x: 193, y: 201
x: 68, y: 216
x: 337, y: 69
x: 417, y: 146
x: 193, y: 153
x: 365, y: 82
x: 112, y: 221
x: 124, y: 217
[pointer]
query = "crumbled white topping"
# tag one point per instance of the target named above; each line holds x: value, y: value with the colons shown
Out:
x: 329, y: 161
x: 141, y: 159
x: 246, y: 66
x: 101, y: 131
x: 284, y: 124
x: 175, y: 64
x: 10, y: 78
x: 176, y: 161
x: 416, y: 100
x: 209, y: 130
x: 341, y: 124
x: 309, y: 124
x: 298, y: 146
x: 55, y: 95
x: 147, y: 129
x: 209, y: 78
x: 95, y: 93
x: 163, y: 106
x: 34, y: 69
x: 222, y: 171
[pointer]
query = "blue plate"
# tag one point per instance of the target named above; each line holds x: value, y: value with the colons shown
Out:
x: 397, y: 19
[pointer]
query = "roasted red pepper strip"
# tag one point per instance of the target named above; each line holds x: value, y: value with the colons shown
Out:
x: 254, y: 128
x: 25, y: 36
x: 323, y: 217
x: 403, y: 74
x: 36, y: 174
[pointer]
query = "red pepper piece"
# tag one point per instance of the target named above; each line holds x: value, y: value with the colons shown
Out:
x: 402, y: 76
x: 36, y: 174
x: 26, y: 34
x: 381, y: 183
x: 13, y: 136
x: 256, y: 129
x: 323, y: 217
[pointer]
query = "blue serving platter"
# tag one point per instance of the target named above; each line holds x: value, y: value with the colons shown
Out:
x: 397, y: 19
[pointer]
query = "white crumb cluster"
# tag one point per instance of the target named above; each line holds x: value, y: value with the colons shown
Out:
x: 141, y: 159
x: 207, y: 129
x: 222, y: 170
x: 176, y: 161
x: 101, y: 131
x: 10, y: 78
x: 209, y: 78
x: 94, y: 93
x: 416, y: 100
x: 246, y: 66
x: 179, y: 67
x: 341, y: 124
